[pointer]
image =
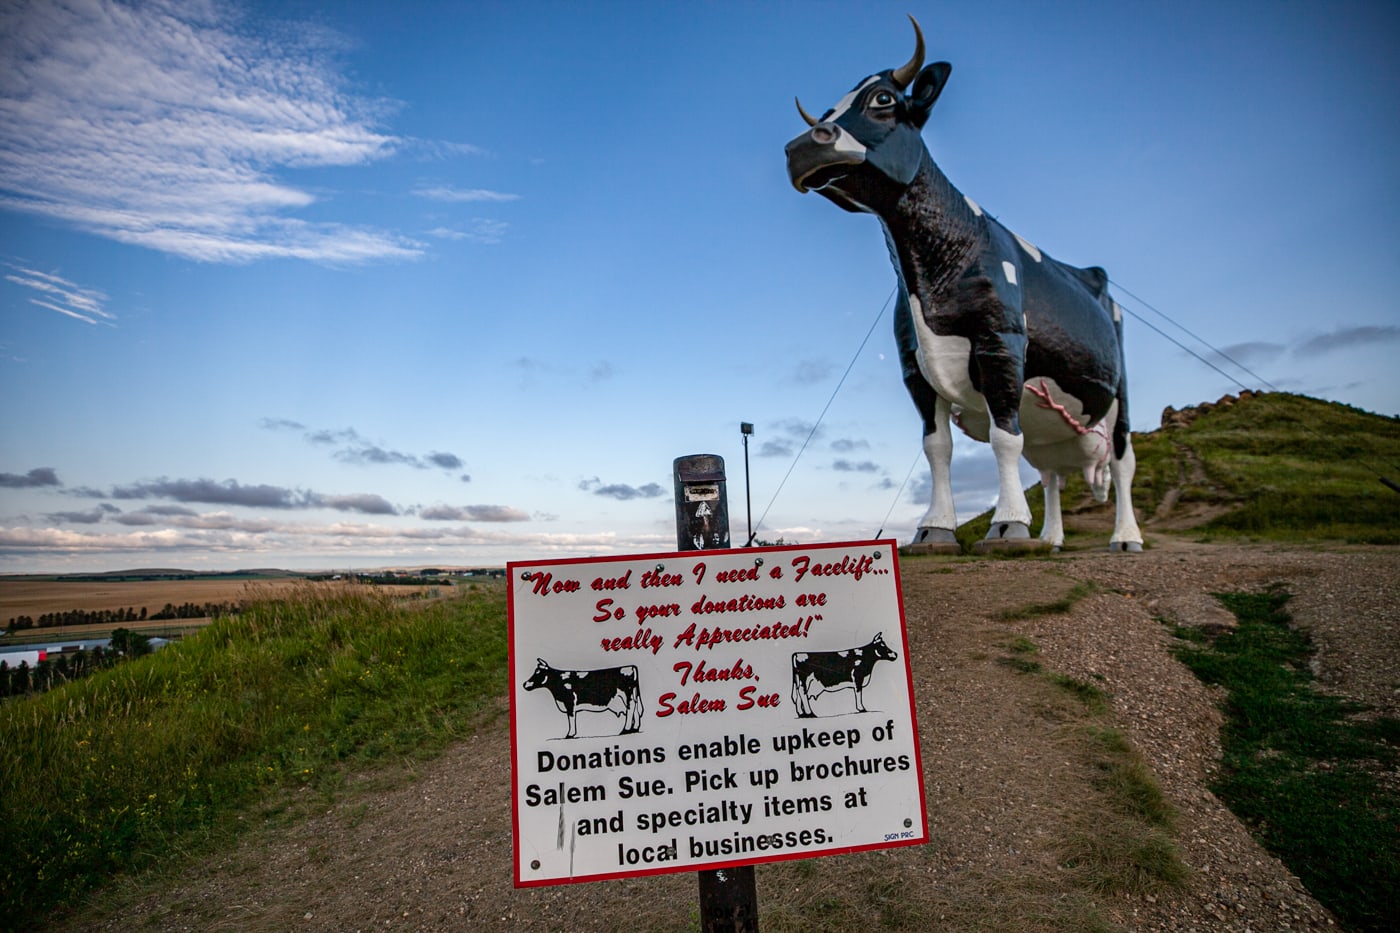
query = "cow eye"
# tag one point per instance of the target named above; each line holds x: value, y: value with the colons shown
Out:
x: 882, y: 99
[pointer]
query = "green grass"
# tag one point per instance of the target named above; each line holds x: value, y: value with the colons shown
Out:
x: 153, y: 757
x: 1301, y: 768
x: 1053, y: 607
x: 1283, y: 467
x: 1291, y: 468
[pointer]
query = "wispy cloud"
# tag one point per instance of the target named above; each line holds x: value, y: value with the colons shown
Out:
x: 452, y: 195
x: 852, y: 466
x: 165, y: 125
x: 252, y: 496
x: 354, y: 449
x: 478, y: 230
x: 364, y: 503
x: 1344, y: 337
x: 812, y: 372
x: 473, y: 513
x: 59, y: 294
x: 622, y: 491
x: 229, y: 492
x: 39, y: 476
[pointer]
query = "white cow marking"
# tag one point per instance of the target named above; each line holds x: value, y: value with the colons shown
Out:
x: 1010, y: 271
x: 1117, y: 313
x: 845, y: 103
x: 943, y: 361
x: 848, y: 144
x: 1028, y: 247
x: 973, y: 204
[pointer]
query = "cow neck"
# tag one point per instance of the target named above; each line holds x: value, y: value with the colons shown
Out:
x: 933, y: 235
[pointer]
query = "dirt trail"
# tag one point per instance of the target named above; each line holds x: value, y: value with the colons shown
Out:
x: 1006, y: 781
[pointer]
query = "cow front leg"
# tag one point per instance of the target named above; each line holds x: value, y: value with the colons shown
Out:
x: 1126, y: 535
x: 1012, y: 518
x: 936, y: 530
x: 1052, y: 532
x: 572, y: 713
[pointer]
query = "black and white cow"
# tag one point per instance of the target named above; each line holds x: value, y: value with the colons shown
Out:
x: 1014, y: 347
x: 610, y: 689
x: 818, y: 672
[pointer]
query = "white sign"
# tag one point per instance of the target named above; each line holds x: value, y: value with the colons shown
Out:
x: 709, y: 708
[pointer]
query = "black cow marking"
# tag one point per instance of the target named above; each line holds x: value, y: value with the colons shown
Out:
x: 818, y: 672
x: 611, y: 689
x: 994, y: 335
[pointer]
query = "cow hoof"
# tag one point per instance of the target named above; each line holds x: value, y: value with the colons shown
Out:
x: 1010, y: 546
x: 1009, y: 536
x: 1125, y: 547
x: 933, y: 541
x: 1008, y: 531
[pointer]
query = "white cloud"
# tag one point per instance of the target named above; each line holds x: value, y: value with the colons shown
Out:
x: 462, y: 195
x: 163, y: 124
x: 61, y: 295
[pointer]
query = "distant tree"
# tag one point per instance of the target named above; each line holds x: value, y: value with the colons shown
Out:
x: 130, y: 644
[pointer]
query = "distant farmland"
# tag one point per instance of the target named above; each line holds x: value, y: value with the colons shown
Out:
x: 34, y: 598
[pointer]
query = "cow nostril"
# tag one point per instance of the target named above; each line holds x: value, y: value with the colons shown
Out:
x: 824, y: 133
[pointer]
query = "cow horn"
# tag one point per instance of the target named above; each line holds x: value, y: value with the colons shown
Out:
x: 903, y: 75
x: 811, y: 120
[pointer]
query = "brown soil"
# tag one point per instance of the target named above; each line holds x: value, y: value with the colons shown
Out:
x: 1012, y: 786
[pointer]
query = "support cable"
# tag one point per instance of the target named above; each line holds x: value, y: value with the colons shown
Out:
x: 897, y: 494
x: 810, y: 434
x: 1386, y: 481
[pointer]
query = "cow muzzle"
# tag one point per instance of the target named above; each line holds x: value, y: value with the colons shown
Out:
x: 821, y: 155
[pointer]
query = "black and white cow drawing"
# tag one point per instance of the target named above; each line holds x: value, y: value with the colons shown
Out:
x: 994, y: 335
x: 610, y: 689
x: 818, y: 672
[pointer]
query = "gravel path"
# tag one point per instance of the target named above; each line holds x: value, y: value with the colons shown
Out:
x: 1003, y: 783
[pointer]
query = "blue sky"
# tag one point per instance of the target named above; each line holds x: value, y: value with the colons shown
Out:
x: 314, y: 284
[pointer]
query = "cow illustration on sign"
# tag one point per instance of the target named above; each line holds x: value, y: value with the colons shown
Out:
x: 1012, y: 346
x: 611, y: 689
x: 818, y: 672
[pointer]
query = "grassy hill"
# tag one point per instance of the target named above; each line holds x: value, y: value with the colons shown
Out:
x: 1267, y: 465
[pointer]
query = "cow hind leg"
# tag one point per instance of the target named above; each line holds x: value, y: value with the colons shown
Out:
x: 1052, y: 531
x: 1126, y: 535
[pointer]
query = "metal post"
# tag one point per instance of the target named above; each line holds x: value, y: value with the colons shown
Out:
x: 728, y: 896
x: 746, y: 429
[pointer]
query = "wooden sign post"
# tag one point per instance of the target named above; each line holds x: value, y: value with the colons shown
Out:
x: 709, y: 709
x: 728, y: 896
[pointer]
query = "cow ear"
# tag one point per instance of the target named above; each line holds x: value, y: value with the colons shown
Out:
x: 927, y: 86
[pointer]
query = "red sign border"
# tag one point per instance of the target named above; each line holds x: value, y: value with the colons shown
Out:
x: 513, y: 568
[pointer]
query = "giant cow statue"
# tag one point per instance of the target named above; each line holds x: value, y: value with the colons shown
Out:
x: 993, y: 334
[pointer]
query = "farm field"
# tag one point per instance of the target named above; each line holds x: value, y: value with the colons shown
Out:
x: 33, y: 598
x: 36, y: 597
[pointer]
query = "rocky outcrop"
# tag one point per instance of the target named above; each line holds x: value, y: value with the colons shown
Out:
x: 1180, y: 418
